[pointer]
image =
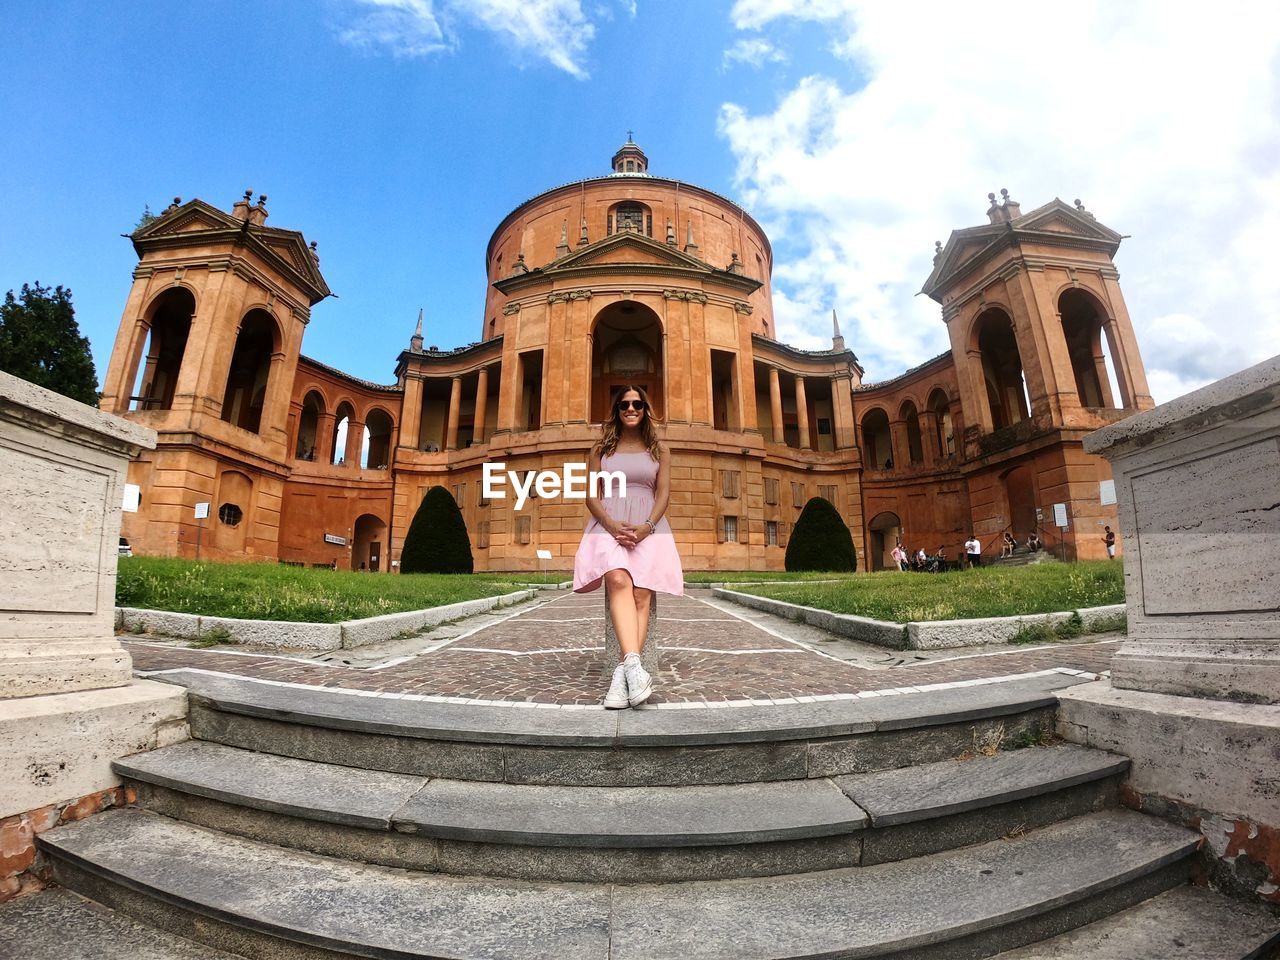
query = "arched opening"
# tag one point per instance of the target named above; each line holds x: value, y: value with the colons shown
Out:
x: 915, y: 443
x: 250, y: 371
x: 1082, y: 327
x: 877, y: 445
x: 885, y: 529
x: 341, y: 426
x: 626, y: 348
x: 1002, y: 370
x: 235, y: 493
x: 309, y: 425
x: 376, y: 449
x: 1020, y: 494
x: 368, y: 538
x: 157, y: 378
x: 630, y: 217
x: 944, y: 429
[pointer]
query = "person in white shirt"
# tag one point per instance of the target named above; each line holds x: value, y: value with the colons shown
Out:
x: 973, y: 548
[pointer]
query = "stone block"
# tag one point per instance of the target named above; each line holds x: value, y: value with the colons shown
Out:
x: 61, y: 487
x: 276, y: 633
x: 936, y: 634
x: 165, y: 623
x: 58, y: 747
x: 1199, y: 510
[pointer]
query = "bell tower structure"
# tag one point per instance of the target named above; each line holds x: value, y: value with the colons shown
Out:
x: 206, y: 356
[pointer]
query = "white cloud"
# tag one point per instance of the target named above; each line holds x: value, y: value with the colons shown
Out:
x: 553, y: 30
x: 753, y: 51
x: 1163, y: 119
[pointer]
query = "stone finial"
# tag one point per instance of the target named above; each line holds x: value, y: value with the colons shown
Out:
x: 735, y: 265
x: 671, y: 234
x: 837, y: 341
x: 177, y: 202
x: 258, y: 213
x: 519, y: 268
x: 240, y: 209
x: 582, y: 234
x: 1011, y: 207
x: 1082, y: 211
x: 562, y: 247
x: 689, y: 245
x: 415, y: 342
x: 314, y: 254
x: 993, y: 211
x: 937, y: 251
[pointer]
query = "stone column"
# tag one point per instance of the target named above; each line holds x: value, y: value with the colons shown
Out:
x: 1198, y: 490
x: 62, y: 486
x: 455, y: 411
x: 802, y: 414
x: 482, y: 404
x: 775, y: 406
x: 324, y: 437
x: 411, y: 413
x: 842, y: 411
x: 929, y: 435
x: 355, y: 441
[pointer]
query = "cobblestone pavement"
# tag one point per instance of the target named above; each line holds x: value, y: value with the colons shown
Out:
x: 552, y: 652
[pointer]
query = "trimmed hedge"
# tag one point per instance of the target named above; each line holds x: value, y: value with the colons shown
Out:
x: 820, y: 540
x: 437, y: 541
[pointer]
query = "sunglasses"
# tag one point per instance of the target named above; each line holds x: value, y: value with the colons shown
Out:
x: 632, y: 405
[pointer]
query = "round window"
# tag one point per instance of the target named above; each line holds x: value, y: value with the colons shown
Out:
x: 230, y: 514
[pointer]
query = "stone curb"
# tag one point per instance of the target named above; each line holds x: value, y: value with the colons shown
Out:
x: 927, y: 635
x: 308, y: 636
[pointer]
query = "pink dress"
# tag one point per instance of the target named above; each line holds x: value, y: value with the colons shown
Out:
x: 653, y: 563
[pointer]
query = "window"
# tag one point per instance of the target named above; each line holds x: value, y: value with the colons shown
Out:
x: 729, y: 484
x: 771, y: 490
x: 797, y: 494
x: 828, y: 494
x: 524, y: 529
x: 482, y: 535
x: 771, y: 533
x: 230, y: 514
x: 824, y: 427
x: 630, y: 217
x: 730, y: 529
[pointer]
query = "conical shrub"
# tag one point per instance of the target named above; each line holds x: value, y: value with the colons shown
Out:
x: 437, y: 541
x: 820, y: 540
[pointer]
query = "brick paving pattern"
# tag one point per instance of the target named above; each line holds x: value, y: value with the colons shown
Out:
x: 551, y: 653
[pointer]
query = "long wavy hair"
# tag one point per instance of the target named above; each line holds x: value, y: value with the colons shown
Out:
x: 612, y: 431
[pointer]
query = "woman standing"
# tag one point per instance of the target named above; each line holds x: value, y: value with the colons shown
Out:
x: 628, y: 543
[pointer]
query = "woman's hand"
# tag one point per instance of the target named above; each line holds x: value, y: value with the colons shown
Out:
x: 624, y: 533
x: 637, y: 531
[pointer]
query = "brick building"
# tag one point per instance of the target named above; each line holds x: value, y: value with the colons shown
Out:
x: 623, y: 278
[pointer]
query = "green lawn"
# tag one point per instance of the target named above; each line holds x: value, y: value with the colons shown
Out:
x: 986, y: 592
x: 749, y: 576
x: 268, y: 591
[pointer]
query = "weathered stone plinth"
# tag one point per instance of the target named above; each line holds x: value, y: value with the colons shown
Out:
x: 1198, y: 485
x: 613, y: 650
x: 61, y: 490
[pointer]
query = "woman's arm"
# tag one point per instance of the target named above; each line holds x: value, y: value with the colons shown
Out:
x: 661, y: 496
x: 595, y: 507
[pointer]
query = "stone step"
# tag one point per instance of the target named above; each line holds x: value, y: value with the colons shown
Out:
x: 644, y: 747
x: 248, y: 897
x: 61, y: 925
x: 1185, y: 923
x: 620, y: 834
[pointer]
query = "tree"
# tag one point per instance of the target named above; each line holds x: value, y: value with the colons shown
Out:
x: 40, y: 341
x: 820, y: 540
x: 437, y: 541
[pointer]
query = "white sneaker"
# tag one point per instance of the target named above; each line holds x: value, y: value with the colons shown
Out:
x: 616, y: 698
x: 639, y: 683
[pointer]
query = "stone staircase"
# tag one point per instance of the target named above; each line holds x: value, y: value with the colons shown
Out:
x: 305, y: 823
x: 1022, y: 557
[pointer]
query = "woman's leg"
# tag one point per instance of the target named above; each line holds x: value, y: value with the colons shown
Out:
x: 643, y: 598
x: 622, y: 608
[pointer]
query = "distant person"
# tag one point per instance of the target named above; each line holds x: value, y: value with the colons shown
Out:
x: 922, y: 559
x: 899, y: 556
x: 1109, y: 538
x: 1009, y: 545
x: 973, y: 550
x: 1034, y: 543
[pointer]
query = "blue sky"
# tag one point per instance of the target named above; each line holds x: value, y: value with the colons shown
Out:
x: 398, y: 133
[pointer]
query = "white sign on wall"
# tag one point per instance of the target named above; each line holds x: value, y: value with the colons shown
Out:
x: 202, y: 511
x: 1106, y: 492
x: 336, y: 540
x: 132, y: 498
x: 544, y: 554
x: 1060, y: 514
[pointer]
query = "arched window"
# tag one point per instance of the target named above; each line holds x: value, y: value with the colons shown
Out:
x: 944, y: 429
x: 1082, y: 327
x: 308, y: 426
x: 157, y: 378
x: 877, y: 447
x: 376, y: 449
x: 250, y: 371
x: 631, y: 217
x: 1002, y: 370
x: 911, y: 420
x: 341, y: 425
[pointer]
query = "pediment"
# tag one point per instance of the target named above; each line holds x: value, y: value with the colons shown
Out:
x: 292, y: 253
x: 628, y: 248
x: 1058, y: 217
x: 192, y: 217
